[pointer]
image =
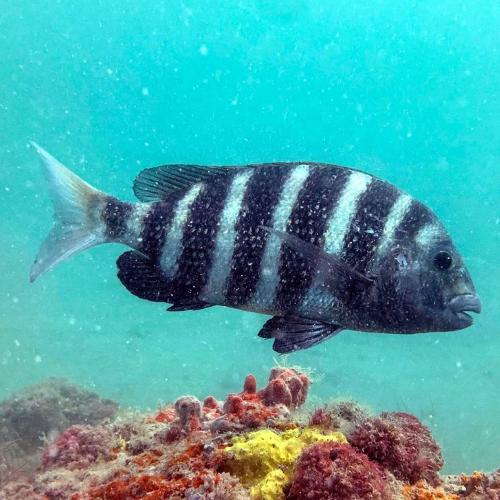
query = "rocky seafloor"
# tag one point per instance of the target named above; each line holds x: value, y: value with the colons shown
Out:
x: 259, y: 444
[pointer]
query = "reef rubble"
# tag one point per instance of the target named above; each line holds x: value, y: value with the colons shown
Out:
x: 257, y: 444
x: 34, y: 416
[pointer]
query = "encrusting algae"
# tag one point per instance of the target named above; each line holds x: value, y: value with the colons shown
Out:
x: 254, y: 445
x: 263, y: 460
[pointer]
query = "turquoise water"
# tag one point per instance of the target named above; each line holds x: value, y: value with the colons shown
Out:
x: 404, y: 90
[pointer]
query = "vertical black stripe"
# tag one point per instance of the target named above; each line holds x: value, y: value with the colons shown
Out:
x: 156, y: 223
x: 417, y: 216
x: 261, y: 197
x: 115, y: 215
x: 367, y: 225
x: 308, y: 221
x: 198, y: 239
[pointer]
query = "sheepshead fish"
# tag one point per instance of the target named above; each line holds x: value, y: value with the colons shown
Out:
x: 319, y: 247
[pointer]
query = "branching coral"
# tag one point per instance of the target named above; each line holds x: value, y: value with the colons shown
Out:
x: 402, y: 444
x: 334, y: 471
x: 480, y: 486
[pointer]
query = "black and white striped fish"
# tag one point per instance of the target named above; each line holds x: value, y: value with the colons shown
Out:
x: 319, y: 247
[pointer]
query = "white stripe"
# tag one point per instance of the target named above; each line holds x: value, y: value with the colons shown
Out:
x: 394, y: 219
x: 340, y: 220
x: 428, y: 234
x: 135, y: 223
x: 265, y: 293
x: 172, y: 248
x: 224, y: 245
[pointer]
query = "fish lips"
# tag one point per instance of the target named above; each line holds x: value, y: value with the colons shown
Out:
x: 461, y: 305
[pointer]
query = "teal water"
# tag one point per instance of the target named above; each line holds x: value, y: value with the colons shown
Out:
x: 404, y: 90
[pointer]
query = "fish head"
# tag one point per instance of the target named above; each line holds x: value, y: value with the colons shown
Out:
x: 425, y: 285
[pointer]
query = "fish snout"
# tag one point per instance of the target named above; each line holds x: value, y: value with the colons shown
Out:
x: 460, y: 305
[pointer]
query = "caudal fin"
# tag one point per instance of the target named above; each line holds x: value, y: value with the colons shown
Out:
x: 77, y: 225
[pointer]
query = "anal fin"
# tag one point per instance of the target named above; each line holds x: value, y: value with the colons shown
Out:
x: 142, y: 277
x: 292, y: 333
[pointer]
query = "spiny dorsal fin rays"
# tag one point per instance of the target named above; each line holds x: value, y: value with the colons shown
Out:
x: 155, y: 184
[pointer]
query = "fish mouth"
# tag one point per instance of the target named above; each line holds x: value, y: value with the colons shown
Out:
x: 463, y: 304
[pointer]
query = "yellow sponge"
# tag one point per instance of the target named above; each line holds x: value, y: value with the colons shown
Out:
x: 264, y: 459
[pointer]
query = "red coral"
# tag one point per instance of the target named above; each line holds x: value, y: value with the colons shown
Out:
x: 250, y: 384
x: 77, y: 447
x: 195, y: 469
x: 166, y: 415
x: 287, y: 387
x: 322, y: 417
x: 402, y: 444
x: 141, y: 486
x: 333, y: 471
x: 210, y: 403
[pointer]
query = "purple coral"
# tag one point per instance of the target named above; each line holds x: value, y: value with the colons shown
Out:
x: 333, y: 471
x: 402, y: 444
x: 78, y: 447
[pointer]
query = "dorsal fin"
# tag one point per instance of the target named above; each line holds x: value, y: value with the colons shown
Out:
x: 155, y: 184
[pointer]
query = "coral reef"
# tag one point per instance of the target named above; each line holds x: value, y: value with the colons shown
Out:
x: 400, y: 443
x: 333, y: 471
x: 263, y: 460
x: 39, y: 413
x: 254, y: 445
x: 48, y: 408
x: 77, y: 447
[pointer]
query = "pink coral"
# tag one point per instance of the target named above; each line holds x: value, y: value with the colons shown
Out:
x: 286, y: 390
x: 333, y: 471
x: 402, y: 444
x: 77, y: 447
x: 287, y: 387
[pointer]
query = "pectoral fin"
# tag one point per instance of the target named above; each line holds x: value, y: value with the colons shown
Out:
x: 292, y: 333
x: 330, y: 269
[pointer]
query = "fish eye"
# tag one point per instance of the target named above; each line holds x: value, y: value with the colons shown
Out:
x: 443, y: 260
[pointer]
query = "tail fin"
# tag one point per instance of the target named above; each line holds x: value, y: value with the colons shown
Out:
x: 77, y: 225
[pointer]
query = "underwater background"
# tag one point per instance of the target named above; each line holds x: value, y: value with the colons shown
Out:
x: 407, y: 91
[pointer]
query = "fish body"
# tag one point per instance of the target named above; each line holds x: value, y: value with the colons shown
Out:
x: 319, y: 247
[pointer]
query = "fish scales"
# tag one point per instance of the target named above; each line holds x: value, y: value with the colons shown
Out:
x: 155, y: 225
x: 261, y: 197
x: 367, y: 224
x: 308, y: 220
x: 264, y: 297
x: 417, y: 217
x: 226, y: 236
x: 197, y: 244
x: 320, y: 247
